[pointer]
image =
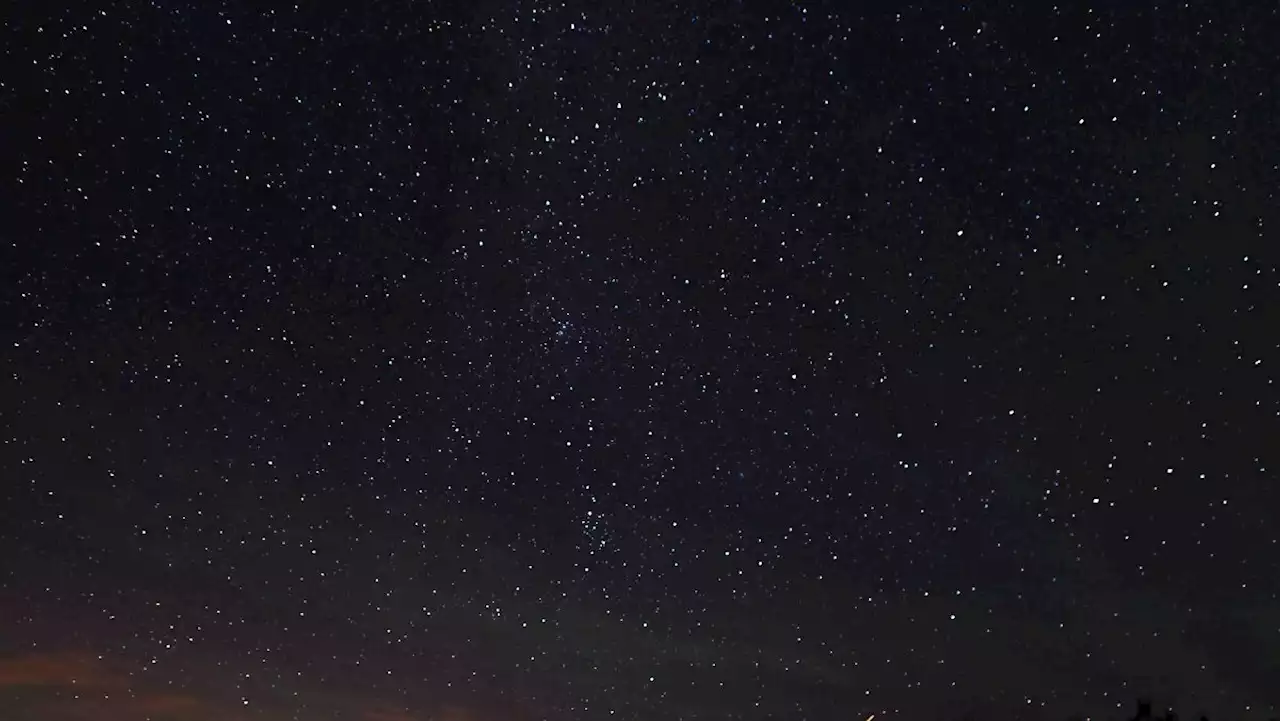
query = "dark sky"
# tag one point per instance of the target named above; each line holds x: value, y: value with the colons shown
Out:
x: 475, y: 361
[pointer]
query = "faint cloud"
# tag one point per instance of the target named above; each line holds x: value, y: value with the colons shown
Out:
x: 78, y: 686
x: 81, y: 686
x: 57, y: 669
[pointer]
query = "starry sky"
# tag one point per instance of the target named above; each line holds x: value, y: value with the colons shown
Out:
x: 485, y: 361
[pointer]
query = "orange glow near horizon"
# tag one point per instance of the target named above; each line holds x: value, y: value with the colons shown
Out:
x: 82, y: 686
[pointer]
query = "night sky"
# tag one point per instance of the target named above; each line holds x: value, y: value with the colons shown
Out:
x: 489, y: 361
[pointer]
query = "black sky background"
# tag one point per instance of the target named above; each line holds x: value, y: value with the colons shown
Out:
x: 660, y: 360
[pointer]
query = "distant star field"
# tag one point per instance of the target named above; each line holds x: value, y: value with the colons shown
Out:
x: 638, y: 361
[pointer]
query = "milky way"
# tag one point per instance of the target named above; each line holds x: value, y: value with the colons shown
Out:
x: 637, y: 361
